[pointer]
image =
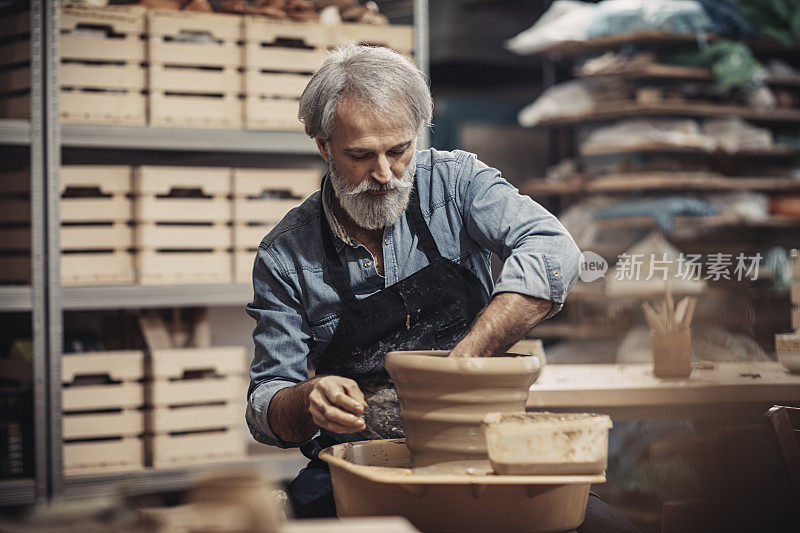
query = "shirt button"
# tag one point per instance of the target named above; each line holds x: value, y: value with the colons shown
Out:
x: 386, y: 240
x: 367, y: 264
x: 555, y: 273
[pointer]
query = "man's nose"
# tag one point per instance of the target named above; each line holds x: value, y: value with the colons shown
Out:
x: 382, y: 171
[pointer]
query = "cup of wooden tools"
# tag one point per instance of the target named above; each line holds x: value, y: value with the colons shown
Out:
x: 670, y: 328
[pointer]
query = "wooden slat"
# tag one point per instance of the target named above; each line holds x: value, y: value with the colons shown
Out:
x: 266, y: 211
x: 111, y: 209
x: 194, y: 391
x: 183, y: 237
x: 98, y: 397
x: 167, y: 268
x: 125, y: 423
x: 192, y: 111
x: 248, y: 237
x: 625, y: 109
x: 119, y: 365
x: 78, y: 107
x: 174, y: 363
x: 301, y: 182
x: 186, y: 210
x: 224, y: 79
x: 117, y: 236
x: 165, y: 451
x: 111, y: 268
x: 161, y: 420
x: 273, y: 32
x: 271, y: 114
x: 102, y: 457
x: 151, y: 180
x: 397, y: 37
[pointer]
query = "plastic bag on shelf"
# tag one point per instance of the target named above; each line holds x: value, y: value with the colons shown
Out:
x: 615, y: 17
x: 747, y: 206
x: 674, y: 132
x: 566, y: 99
x: 566, y: 20
x: 734, y: 135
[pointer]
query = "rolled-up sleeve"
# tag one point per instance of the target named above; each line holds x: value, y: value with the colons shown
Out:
x: 540, y: 257
x: 281, y: 339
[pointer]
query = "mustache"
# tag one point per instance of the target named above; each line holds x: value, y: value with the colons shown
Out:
x: 371, y: 185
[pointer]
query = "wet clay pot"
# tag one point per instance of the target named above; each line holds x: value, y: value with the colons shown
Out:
x: 443, y: 401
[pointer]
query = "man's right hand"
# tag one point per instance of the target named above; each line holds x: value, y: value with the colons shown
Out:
x: 336, y: 403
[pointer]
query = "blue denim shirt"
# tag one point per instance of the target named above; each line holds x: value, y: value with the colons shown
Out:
x: 471, y: 211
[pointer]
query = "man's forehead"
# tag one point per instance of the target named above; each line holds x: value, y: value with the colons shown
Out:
x: 355, y: 118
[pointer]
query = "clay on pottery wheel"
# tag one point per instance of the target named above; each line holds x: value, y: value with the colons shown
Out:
x: 443, y: 401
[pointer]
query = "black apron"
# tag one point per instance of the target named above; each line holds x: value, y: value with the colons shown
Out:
x: 431, y: 309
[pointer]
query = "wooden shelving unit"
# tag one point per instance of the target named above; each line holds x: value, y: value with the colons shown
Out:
x: 759, y: 170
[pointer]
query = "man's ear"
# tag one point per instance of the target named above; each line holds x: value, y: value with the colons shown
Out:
x: 323, y: 150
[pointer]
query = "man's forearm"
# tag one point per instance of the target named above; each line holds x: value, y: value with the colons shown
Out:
x: 289, y: 416
x: 507, y: 319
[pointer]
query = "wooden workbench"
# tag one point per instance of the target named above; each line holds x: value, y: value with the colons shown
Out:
x: 736, y: 391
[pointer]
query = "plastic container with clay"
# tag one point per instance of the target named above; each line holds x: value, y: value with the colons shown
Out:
x: 547, y: 443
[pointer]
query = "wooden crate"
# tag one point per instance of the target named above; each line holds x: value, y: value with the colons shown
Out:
x: 165, y: 393
x: 397, y: 37
x: 84, y: 107
x: 15, y: 239
x: 169, y: 34
x: 116, y: 365
x: 252, y: 188
x: 267, y: 113
x: 119, y: 373
x: 82, y: 26
x: 284, y: 46
x: 175, y: 363
x: 17, y: 24
x: 162, y: 180
x: 97, y: 397
x: 183, y: 237
x: 169, y: 109
x: 166, y: 267
x: 113, y: 236
x: 275, y: 84
x: 180, y: 79
x: 91, y: 107
x: 101, y: 457
x: 194, y: 418
x: 97, y: 268
x: 164, y: 451
x: 124, y: 422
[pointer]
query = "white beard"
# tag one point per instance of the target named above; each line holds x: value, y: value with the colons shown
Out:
x: 374, y: 212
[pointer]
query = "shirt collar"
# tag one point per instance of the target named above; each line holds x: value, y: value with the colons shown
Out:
x: 338, y: 230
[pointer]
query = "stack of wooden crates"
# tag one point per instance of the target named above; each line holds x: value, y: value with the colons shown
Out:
x: 194, y: 394
x: 103, y: 422
x: 101, y: 73
x: 182, y: 225
x: 130, y: 65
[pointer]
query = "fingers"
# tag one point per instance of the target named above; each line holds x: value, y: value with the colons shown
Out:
x: 334, y: 404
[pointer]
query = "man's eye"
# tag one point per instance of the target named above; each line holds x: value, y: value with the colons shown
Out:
x: 397, y: 153
x: 361, y: 156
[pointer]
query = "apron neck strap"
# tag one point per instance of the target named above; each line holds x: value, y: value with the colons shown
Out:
x: 341, y: 278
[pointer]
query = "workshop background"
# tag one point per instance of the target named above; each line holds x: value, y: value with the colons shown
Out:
x: 145, y: 150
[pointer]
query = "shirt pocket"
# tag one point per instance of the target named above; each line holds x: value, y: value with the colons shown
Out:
x: 323, y: 330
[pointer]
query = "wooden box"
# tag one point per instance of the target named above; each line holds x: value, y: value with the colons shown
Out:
x: 183, y: 237
x: 193, y: 418
x: 164, y: 451
x: 266, y: 195
x: 169, y: 267
x: 113, y: 375
x: 105, y: 456
x: 97, y: 268
x: 247, y: 236
x: 179, y: 79
x: 177, y: 363
x: 193, y: 391
x: 275, y: 84
x: 211, y: 110
x: 182, y: 194
x: 111, y: 34
x: 284, y: 46
x: 125, y: 422
x: 193, y: 39
x: 269, y: 113
x: 399, y: 38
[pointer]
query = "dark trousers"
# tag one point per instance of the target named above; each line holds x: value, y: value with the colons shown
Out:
x: 311, y: 494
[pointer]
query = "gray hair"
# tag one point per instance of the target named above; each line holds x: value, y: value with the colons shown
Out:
x: 377, y: 76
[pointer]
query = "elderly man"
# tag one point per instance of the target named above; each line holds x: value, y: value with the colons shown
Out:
x: 393, y: 253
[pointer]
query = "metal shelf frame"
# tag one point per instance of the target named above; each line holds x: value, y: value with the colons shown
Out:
x: 47, y: 300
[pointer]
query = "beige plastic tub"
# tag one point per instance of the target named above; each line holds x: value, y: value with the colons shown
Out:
x: 372, y: 478
x: 547, y: 443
